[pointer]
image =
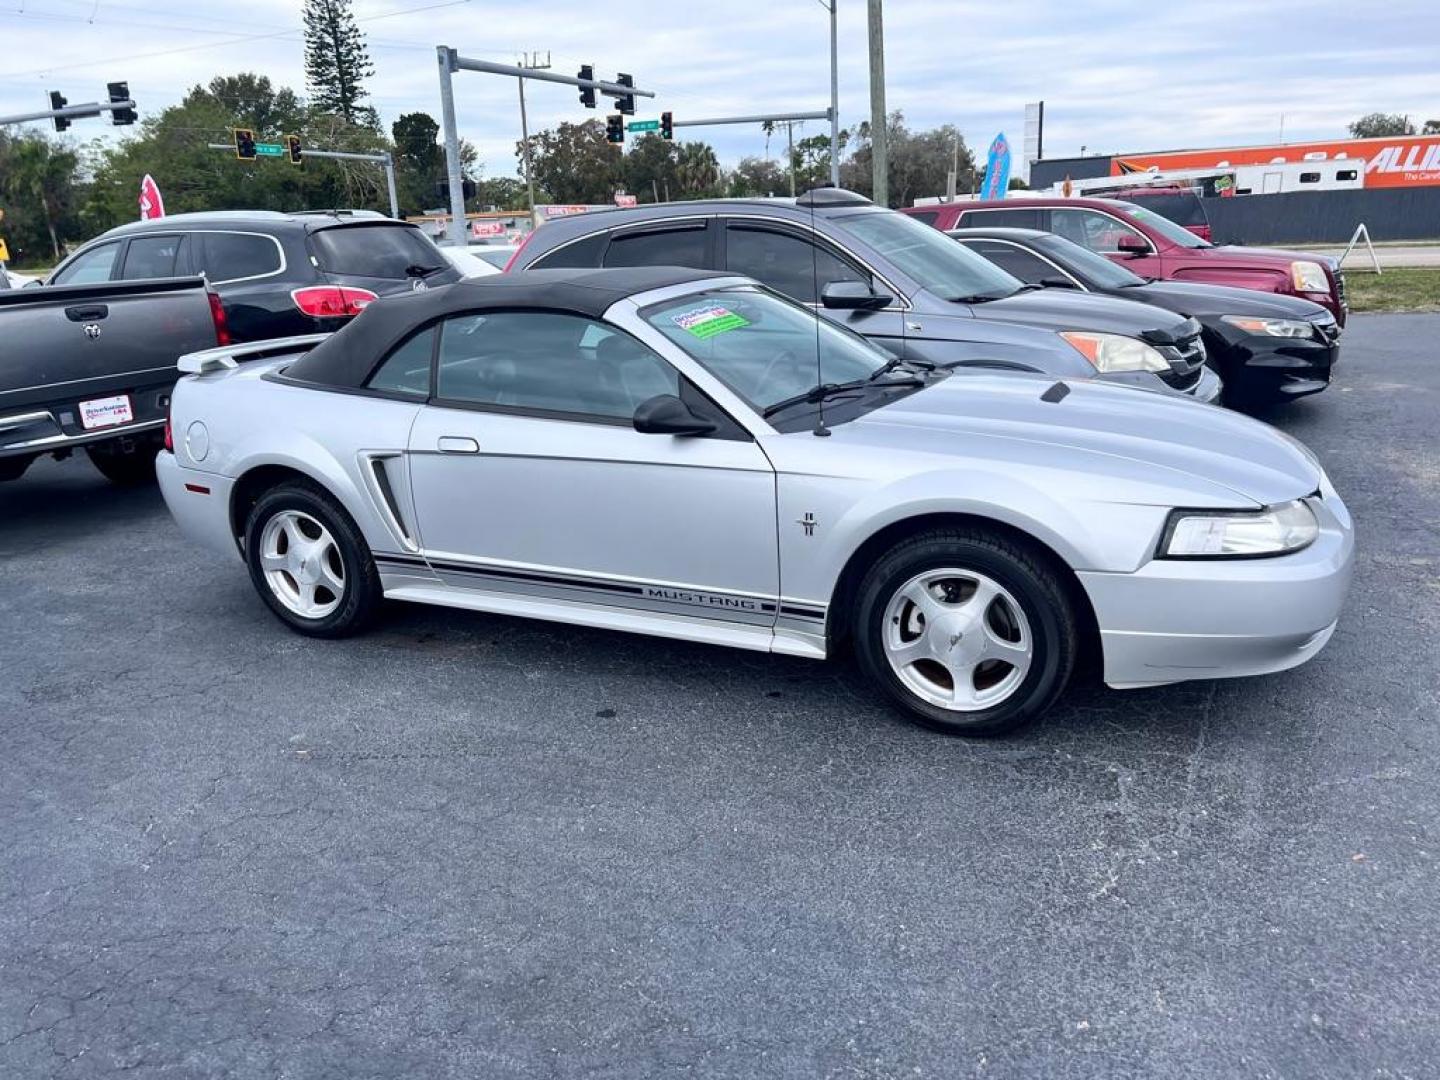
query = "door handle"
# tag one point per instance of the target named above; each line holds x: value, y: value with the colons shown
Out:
x: 457, y: 444
x: 87, y: 314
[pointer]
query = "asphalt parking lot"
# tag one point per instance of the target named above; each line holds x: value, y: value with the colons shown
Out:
x: 468, y: 846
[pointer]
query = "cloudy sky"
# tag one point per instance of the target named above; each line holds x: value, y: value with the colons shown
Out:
x: 1114, y: 75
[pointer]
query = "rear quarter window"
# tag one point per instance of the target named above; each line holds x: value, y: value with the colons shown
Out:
x: 580, y: 254
x: 234, y: 256
x: 376, y: 251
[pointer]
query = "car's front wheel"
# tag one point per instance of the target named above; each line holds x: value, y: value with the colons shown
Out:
x: 310, y: 563
x: 967, y: 630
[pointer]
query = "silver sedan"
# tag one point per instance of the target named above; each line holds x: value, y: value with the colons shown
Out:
x: 686, y: 454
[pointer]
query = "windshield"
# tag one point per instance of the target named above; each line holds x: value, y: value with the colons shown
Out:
x: 1176, y: 234
x: 761, y: 346
x: 941, y: 266
x: 1104, y: 273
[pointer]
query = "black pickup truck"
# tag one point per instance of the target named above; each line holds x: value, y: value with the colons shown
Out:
x: 91, y: 367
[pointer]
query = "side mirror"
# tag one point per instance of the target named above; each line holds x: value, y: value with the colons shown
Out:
x: 666, y: 414
x: 1132, y: 245
x: 852, y: 296
x: 1055, y: 281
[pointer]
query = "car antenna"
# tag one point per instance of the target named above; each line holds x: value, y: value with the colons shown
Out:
x: 821, y: 430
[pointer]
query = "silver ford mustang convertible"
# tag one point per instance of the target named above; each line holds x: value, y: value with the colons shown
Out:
x: 684, y: 453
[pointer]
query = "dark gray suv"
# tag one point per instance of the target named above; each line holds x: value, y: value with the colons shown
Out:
x: 898, y: 282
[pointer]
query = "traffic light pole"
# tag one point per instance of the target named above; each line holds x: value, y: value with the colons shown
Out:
x: 70, y: 112
x: 450, y: 62
x: 762, y: 118
x: 385, y: 161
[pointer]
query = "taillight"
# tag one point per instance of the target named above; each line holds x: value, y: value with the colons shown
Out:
x: 332, y: 301
x: 516, y: 253
x: 169, y: 435
x: 217, y: 316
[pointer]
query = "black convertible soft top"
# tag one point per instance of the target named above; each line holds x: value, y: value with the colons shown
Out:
x: 348, y: 356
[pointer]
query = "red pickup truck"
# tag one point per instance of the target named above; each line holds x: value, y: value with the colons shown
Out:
x: 1152, y: 246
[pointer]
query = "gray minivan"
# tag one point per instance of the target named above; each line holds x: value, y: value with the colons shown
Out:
x: 902, y: 284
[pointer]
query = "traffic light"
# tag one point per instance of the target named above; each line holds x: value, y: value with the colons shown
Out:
x: 292, y: 145
x: 467, y: 190
x: 614, y: 128
x: 667, y: 125
x: 587, y: 93
x: 58, y: 102
x: 244, y: 144
x: 120, y: 91
x: 625, y: 104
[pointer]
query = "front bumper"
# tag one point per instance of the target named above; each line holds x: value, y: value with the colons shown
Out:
x: 199, y: 502
x: 1174, y: 620
x: 1206, y: 388
x: 1269, y: 368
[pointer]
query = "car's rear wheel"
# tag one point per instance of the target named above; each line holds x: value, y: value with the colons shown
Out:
x: 126, y: 463
x: 310, y: 563
x: 968, y: 631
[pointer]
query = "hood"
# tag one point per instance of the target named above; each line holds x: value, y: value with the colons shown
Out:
x: 1061, y: 309
x: 1198, y: 300
x: 1271, y: 258
x: 1159, y: 441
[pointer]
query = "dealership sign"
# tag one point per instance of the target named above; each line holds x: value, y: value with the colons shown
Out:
x: 997, y: 169
x: 151, y: 204
x: 483, y: 229
x: 1400, y: 161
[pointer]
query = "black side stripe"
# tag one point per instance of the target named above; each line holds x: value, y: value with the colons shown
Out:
x: 541, y: 578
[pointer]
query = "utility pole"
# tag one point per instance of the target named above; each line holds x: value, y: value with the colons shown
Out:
x: 834, y: 100
x: 879, y: 145
x: 532, y: 64
x: 790, y: 150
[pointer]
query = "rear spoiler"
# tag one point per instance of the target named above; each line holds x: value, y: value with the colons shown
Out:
x: 231, y: 356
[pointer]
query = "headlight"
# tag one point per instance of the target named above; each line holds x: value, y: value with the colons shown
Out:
x: 1116, y: 352
x: 1239, y: 534
x: 1309, y: 277
x: 1297, y: 328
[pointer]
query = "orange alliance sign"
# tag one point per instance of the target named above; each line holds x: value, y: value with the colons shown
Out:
x: 1405, y: 161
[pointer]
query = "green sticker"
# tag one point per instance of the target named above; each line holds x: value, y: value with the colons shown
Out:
x: 708, y: 321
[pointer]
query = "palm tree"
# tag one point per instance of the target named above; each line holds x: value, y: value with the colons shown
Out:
x: 697, y: 169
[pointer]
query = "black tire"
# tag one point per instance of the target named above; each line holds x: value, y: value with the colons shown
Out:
x: 12, y: 468
x: 1029, y: 579
x: 362, y: 593
x: 131, y: 464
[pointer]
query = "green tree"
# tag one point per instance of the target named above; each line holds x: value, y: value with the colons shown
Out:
x: 811, y: 160
x: 573, y: 163
x: 756, y: 177
x: 649, y: 168
x: 337, y: 62
x: 37, y: 191
x: 1432, y: 127
x: 697, y: 170
x: 1377, y: 125
x: 920, y: 161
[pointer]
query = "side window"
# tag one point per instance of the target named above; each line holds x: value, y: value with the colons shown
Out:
x: 1023, y: 264
x: 929, y: 217
x: 407, y: 369
x: 90, y: 268
x: 1091, y: 229
x: 153, y: 257
x: 789, y: 264
x: 582, y: 254
x: 1000, y: 219
x: 231, y: 256
x: 548, y: 362
x: 660, y: 247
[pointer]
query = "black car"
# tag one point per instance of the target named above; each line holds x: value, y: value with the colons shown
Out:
x: 1265, y: 347
x: 276, y: 274
x: 900, y: 283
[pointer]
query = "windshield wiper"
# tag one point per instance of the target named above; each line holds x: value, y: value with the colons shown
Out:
x: 817, y: 394
x: 981, y: 298
x: 898, y: 361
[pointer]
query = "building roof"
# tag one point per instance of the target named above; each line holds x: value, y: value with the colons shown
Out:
x: 348, y: 357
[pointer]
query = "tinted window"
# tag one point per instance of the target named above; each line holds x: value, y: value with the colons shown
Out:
x: 668, y: 247
x: 1016, y: 260
x: 548, y: 362
x: 1001, y: 219
x: 1097, y: 269
x: 90, y: 268
x: 407, y: 369
x: 787, y: 263
x: 152, y: 257
x: 377, y: 251
x: 1176, y: 234
x: 582, y: 253
x: 1091, y: 229
x: 1309, y: 178
x: 940, y: 265
x: 1346, y: 174
x: 230, y: 256
x: 927, y: 217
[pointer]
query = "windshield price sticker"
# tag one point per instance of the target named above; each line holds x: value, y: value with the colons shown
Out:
x: 706, y: 322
